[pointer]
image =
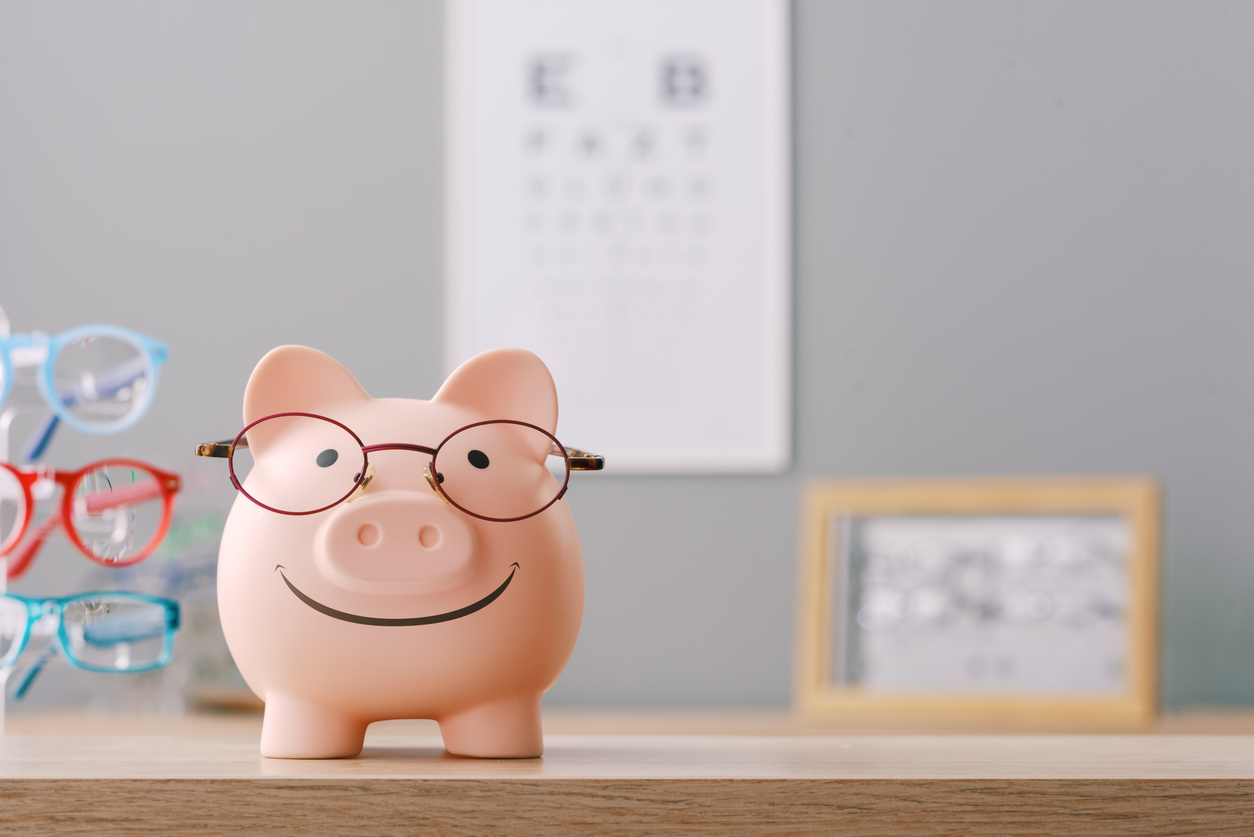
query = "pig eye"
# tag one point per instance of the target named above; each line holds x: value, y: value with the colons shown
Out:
x: 327, y: 458
x: 478, y: 458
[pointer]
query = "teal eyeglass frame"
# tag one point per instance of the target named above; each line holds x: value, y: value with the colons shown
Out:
x: 152, y: 355
x: 39, y: 608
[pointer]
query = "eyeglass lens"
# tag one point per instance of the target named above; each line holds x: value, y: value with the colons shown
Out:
x: 12, y: 508
x: 114, y: 632
x: 298, y: 463
x: 117, y: 511
x: 498, y: 470
x: 101, y: 379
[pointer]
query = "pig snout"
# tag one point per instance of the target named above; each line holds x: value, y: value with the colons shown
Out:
x: 395, y: 543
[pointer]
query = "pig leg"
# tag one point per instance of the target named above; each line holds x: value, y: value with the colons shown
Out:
x: 296, y: 729
x: 502, y: 729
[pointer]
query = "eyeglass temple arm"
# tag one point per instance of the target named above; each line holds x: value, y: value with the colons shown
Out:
x: 126, y: 495
x: 20, y: 560
x: 107, y: 382
x: 580, y: 460
x: 219, y: 450
x: 37, y: 441
x: 32, y: 671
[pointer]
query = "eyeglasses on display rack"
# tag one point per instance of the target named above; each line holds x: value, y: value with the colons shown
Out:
x: 105, y: 632
x: 494, y: 470
x: 95, y: 378
x: 115, y: 511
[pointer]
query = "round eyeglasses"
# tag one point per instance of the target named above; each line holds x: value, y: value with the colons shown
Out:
x: 96, y: 378
x: 304, y: 463
x: 115, y: 511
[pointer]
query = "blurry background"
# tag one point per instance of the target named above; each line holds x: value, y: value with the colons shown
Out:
x: 1022, y: 246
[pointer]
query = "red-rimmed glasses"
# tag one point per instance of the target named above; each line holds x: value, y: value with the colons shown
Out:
x: 115, y: 511
x: 494, y: 470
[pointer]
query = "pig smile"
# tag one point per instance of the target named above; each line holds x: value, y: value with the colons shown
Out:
x: 394, y: 623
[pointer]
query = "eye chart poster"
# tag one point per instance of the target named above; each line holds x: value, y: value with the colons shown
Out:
x: 618, y: 191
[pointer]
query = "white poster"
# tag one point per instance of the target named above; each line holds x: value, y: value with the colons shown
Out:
x: 619, y: 204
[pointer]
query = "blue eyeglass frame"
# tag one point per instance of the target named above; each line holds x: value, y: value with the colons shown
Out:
x: 36, y: 609
x: 153, y: 353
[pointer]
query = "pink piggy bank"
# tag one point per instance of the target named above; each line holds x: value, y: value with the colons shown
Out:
x: 396, y: 558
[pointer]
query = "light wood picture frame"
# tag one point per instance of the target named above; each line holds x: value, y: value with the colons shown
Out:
x: 1028, y: 601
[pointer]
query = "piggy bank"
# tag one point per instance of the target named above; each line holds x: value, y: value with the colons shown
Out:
x: 396, y: 558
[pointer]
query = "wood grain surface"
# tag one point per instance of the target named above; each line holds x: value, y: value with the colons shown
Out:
x: 626, y: 807
x: 636, y: 784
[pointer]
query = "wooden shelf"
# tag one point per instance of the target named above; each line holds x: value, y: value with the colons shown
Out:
x: 635, y: 721
x: 211, y: 780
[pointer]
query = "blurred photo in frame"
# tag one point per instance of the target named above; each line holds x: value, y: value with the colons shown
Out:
x: 1004, y: 602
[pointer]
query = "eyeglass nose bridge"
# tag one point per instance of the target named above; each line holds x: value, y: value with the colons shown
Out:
x: 433, y: 479
x: 48, y: 620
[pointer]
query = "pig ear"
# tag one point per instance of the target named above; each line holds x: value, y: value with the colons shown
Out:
x: 297, y: 379
x: 504, y: 383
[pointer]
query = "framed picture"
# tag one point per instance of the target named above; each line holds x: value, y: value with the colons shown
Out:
x: 1000, y: 600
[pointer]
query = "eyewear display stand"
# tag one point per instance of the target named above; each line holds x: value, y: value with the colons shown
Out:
x: 114, y: 511
x: 10, y: 412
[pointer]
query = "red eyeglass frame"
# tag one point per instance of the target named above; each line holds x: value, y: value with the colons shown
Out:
x: 168, y: 483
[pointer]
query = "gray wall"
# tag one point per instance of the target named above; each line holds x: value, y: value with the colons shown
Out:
x: 1023, y: 245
